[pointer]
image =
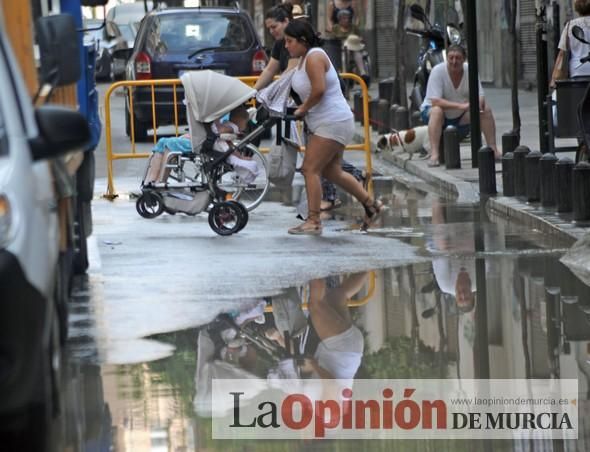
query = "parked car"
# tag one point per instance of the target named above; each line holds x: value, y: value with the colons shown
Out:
x: 108, y: 38
x: 30, y: 270
x: 128, y: 16
x: 175, y: 40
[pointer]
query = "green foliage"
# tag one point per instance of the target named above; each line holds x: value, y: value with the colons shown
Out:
x: 398, y: 358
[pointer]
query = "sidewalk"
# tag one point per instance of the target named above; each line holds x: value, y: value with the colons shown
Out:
x: 462, y: 184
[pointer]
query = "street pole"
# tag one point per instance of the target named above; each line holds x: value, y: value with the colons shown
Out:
x: 471, y: 22
x: 542, y: 77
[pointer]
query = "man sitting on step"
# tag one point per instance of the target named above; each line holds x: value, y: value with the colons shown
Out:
x: 447, y: 103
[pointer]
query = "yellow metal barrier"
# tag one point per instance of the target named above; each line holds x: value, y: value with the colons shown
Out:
x: 174, y: 83
x: 351, y: 303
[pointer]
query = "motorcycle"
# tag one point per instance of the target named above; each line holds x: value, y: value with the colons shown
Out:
x: 432, y: 52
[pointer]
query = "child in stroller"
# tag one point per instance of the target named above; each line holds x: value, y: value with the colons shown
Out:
x: 228, y: 132
x: 207, y: 170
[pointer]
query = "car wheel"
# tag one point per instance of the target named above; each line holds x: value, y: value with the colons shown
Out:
x: 41, y: 429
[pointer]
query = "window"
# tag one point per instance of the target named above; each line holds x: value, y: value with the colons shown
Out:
x: 184, y: 33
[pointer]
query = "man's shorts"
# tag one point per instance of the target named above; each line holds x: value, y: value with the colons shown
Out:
x: 463, y: 129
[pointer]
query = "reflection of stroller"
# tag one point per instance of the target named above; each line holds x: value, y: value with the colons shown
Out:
x: 200, y: 177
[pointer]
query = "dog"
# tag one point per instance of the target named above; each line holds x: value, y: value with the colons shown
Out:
x: 409, y: 141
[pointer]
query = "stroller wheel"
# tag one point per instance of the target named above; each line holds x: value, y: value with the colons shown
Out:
x: 149, y: 205
x: 244, y: 211
x: 226, y: 218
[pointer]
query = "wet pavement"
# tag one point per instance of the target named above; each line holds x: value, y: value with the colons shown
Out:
x: 438, y: 291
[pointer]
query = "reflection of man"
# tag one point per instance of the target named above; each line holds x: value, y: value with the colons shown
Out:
x: 447, y: 103
x: 453, y: 245
x: 453, y: 264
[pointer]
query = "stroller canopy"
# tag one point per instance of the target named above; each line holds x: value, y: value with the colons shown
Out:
x: 211, y: 95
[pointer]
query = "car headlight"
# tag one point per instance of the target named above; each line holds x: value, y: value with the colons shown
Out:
x: 6, y: 222
x: 454, y: 35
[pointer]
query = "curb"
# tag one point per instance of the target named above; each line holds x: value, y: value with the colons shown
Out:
x: 535, y: 218
x: 530, y: 215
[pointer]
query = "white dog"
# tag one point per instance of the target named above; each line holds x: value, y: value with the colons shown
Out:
x: 410, y: 141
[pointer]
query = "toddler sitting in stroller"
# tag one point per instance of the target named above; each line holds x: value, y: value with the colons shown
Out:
x: 228, y: 131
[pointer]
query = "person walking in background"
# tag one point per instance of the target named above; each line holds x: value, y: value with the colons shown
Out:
x: 577, y: 49
x: 447, y: 103
x: 330, y: 122
x: 276, y: 20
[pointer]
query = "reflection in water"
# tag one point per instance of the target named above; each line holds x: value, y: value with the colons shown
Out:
x: 493, y: 301
x: 286, y: 343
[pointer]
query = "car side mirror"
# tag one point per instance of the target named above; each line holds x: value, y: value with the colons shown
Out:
x: 59, y: 49
x: 61, y: 130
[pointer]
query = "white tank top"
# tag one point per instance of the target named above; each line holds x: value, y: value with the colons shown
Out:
x: 332, y: 106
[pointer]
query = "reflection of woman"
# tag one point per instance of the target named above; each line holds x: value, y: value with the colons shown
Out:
x: 339, y: 353
x: 577, y: 49
x: 330, y: 122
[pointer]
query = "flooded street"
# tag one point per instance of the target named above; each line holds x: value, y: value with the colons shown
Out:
x: 464, y: 297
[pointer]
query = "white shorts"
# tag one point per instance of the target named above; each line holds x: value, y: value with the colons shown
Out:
x: 340, y: 131
x: 341, y: 355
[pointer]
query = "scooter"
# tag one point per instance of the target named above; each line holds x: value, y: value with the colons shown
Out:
x: 433, y: 50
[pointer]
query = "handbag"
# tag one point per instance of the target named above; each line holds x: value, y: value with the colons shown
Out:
x: 562, y: 63
x: 282, y: 162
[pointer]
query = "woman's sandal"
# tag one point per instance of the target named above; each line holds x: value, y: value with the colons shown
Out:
x: 306, y: 228
x: 373, y: 212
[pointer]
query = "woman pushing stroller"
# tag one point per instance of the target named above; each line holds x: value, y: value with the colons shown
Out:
x: 331, y: 125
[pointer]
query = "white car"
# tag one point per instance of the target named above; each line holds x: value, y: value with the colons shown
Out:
x: 128, y: 16
x: 29, y: 248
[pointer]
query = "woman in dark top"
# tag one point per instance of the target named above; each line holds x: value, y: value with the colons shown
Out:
x: 335, y: 6
x: 275, y: 20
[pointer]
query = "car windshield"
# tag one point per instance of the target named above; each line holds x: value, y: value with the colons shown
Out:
x: 189, y: 33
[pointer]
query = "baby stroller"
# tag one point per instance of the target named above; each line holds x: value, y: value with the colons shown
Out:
x: 200, y: 177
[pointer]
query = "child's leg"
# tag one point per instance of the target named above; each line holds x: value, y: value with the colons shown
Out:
x: 155, y: 164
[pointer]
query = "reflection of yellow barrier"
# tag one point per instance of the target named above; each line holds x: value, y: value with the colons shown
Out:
x: 174, y: 83
x: 351, y: 303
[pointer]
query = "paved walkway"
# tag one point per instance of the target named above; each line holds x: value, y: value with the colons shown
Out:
x: 462, y: 184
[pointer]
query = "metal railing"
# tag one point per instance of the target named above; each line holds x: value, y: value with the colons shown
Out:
x: 174, y: 84
x: 352, y: 303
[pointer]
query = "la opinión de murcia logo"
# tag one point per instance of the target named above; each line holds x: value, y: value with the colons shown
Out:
x: 298, y: 412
